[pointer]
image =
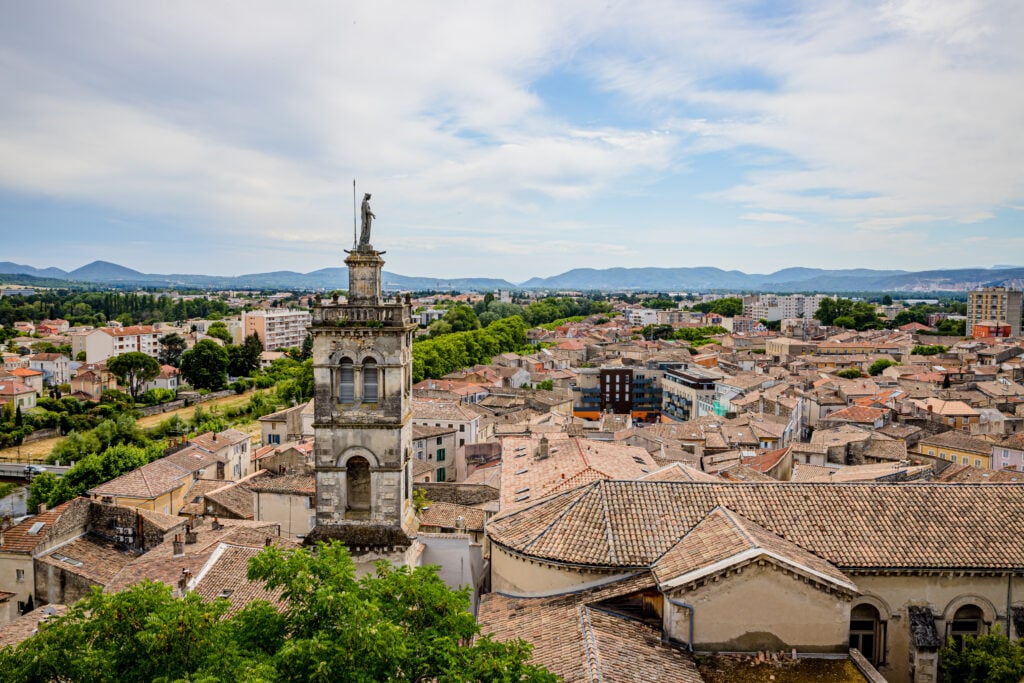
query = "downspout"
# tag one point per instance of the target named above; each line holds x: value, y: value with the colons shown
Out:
x: 689, y: 609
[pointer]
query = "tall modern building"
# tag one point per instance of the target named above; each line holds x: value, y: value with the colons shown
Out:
x: 362, y: 371
x: 995, y: 304
x: 277, y: 328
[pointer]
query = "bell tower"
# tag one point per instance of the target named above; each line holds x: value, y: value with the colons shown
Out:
x: 362, y: 372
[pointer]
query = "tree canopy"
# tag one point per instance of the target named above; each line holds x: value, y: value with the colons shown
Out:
x: 988, y: 658
x: 205, y: 365
x: 171, y: 347
x: 133, y: 370
x: 399, y: 624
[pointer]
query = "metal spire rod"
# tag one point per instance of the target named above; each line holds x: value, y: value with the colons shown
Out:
x: 354, y: 212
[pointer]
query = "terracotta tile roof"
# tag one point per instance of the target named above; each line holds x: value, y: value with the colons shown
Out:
x: 441, y: 410
x: 857, y: 413
x: 428, y: 431
x: 225, y: 575
x: 192, y: 459
x: 572, y: 461
x: 957, y: 440
x: 297, y: 484
x: 95, y: 560
x: 21, y: 538
x: 803, y: 472
x: 236, y: 498
x: 631, y: 523
x: 724, y: 538
x: 421, y: 467
x: 870, y: 472
x: 677, y: 471
x: 214, y: 442
x: 444, y: 515
x: 25, y: 626
x: 965, y: 474
x: 196, y: 493
x: 147, y: 482
x: 581, y: 642
x: 129, y: 331
x: 741, y: 473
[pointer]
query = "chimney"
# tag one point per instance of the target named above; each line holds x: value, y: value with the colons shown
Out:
x: 460, y: 523
x: 42, y: 508
x: 183, y: 580
x: 179, y: 546
x: 542, y: 448
x: 267, y: 542
x: 216, y: 525
x: 215, y: 437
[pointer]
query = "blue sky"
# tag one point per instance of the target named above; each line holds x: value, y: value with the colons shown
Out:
x: 513, y: 139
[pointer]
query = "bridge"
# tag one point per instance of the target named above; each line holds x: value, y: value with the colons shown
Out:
x: 18, y: 470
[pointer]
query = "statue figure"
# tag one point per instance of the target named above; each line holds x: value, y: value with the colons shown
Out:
x: 364, y: 234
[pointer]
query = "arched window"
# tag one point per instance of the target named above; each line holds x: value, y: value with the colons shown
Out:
x: 346, y: 382
x: 357, y: 479
x: 867, y: 633
x: 370, y: 381
x: 967, y: 621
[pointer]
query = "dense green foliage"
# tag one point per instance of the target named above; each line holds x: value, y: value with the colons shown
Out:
x: 436, y: 357
x: 171, y: 347
x: 96, y: 308
x: 244, y: 359
x: 729, y: 307
x: 928, y: 350
x: 988, y: 658
x: 853, y: 315
x: 879, y: 365
x: 133, y: 370
x: 205, y: 365
x: 219, y: 330
x: 850, y: 373
x: 90, y: 471
x: 397, y: 625
x: 697, y: 336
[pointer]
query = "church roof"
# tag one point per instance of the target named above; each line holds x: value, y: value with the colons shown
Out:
x: 630, y: 524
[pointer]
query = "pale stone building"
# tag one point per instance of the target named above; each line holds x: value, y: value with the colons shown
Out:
x: 362, y: 369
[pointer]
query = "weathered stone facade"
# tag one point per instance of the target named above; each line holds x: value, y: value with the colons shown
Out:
x: 362, y: 370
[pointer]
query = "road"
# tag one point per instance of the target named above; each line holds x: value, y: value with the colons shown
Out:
x: 37, y: 451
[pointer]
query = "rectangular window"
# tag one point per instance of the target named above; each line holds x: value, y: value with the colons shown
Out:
x: 462, y: 428
x: 977, y: 462
x: 20, y: 574
x: 440, y: 455
x: 438, y: 441
x: 441, y: 475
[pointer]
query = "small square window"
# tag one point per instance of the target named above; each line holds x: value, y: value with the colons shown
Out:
x: 20, y: 575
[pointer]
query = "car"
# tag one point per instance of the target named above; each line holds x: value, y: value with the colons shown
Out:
x: 33, y: 470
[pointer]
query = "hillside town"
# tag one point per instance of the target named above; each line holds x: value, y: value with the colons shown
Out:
x: 635, y: 490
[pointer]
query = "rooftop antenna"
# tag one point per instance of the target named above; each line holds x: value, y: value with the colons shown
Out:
x: 355, y: 211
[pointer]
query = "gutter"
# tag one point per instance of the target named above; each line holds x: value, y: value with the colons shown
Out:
x: 690, y: 609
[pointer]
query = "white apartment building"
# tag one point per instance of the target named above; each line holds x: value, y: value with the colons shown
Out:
x: 642, y: 316
x: 782, y: 306
x: 105, y: 342
x: 277, y: 328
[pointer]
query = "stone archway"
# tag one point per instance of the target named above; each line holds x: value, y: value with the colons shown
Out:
x: 357, y: 479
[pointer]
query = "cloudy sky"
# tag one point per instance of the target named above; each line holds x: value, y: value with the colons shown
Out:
x: 513, y: 139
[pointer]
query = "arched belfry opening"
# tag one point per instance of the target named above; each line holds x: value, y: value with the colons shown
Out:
x: 357, y: 479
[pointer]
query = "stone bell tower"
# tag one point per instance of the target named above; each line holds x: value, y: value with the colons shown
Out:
x: 362, y: 371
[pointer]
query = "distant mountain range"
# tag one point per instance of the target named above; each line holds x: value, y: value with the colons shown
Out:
x: 649, y: 279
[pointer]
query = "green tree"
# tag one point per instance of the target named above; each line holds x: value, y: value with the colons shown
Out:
x: 879, y: 365
x: 205, y: 365
x: 886, y: 300
x: 133, y: 370
x: 461, y: 319
x: 850, y: 373
x: 928, y: 350
x: 220, y: 331
x: 243, y: 360
x: 171, y: 347
x: 988, y: 658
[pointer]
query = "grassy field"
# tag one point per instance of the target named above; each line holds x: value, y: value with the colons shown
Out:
x: 37, y: 451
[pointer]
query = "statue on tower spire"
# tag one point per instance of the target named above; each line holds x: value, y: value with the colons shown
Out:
x: 368, y: 216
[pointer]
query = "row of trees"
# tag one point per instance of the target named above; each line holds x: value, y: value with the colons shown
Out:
x: 96, y: 308
x: 436, y: 357
x: 697, y: 336
x: 399, y: 624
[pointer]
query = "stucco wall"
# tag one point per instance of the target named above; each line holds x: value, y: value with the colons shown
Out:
x: 514, y: 575
x: 941, y: 594
x: 762, y: 608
